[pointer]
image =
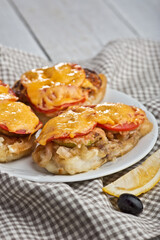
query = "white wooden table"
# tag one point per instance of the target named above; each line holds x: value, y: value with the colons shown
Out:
x: 75, y: 29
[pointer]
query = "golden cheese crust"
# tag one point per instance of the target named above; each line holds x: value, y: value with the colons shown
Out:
x: 13, y: 148
x: 88, y: 88
x: 62, y: 158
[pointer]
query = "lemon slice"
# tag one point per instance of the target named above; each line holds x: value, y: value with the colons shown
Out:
x: 139, y: 180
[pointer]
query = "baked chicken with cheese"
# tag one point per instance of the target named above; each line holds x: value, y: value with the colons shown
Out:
x: 18, y: 125
x: 49, y: 90
x: 85, y: 137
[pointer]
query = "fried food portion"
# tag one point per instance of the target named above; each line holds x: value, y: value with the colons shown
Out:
x: 12, y: 148
x: 81, y: 154
x: 50, y: 90
x: 18, y: 124
x: 82, y: 138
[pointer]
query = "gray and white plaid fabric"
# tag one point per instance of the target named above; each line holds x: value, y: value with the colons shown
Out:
x: 30, y: 210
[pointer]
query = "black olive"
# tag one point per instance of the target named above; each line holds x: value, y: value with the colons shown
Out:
x: 129, y: 203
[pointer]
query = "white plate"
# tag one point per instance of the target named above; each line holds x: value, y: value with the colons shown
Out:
x: 26, y: 169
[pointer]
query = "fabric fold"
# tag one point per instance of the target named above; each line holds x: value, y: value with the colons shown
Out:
x: 80, y: 210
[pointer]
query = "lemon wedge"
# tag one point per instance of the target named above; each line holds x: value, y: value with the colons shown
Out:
x: 139, y: 180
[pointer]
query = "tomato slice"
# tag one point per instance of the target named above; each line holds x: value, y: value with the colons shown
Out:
x: 4, y: 129
x: 60, y: 107
x: 119, y: 127
x: 70, y: 124
x: 76, y: 134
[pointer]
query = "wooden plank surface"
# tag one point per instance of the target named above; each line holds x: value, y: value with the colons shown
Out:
x: 72, y: 29
x: 75, y: 30
x: 13, y: 33
x: 144, y: 16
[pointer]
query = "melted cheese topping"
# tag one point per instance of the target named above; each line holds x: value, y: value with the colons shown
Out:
x: 16, y: 116
x: 50, y: 87
x: 47, y: 97
x: 118, y: 113
x: 63, y: 73
x: 68, y: 124
x: 6, y: 93
x: 81, y: 120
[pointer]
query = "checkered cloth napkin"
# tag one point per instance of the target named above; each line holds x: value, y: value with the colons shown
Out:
x: 32, y: 210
